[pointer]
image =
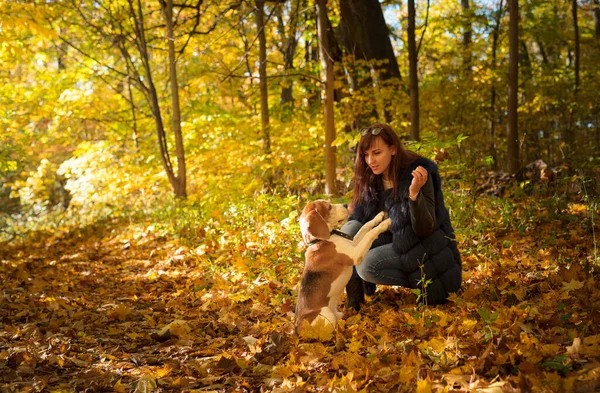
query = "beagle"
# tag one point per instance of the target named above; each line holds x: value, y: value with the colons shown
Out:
x: 329, y: 259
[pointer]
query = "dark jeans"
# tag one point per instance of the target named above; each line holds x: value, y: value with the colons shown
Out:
x: 380, y: 266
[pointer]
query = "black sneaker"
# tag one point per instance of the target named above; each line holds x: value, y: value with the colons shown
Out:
x: 355, y: 291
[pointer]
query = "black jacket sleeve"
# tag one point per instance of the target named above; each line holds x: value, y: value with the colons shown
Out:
x: 422, y: 211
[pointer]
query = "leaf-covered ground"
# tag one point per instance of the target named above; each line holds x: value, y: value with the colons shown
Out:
x: 123, y: 307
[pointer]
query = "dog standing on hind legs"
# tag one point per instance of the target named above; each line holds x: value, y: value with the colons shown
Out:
x: 329, y: 259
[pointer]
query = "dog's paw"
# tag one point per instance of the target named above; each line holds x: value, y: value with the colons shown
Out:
x: 385, y: 225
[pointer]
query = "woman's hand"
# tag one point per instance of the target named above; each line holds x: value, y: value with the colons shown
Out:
x: 419, y: 179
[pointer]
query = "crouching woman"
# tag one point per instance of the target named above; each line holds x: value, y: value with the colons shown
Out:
x: 419, y: 250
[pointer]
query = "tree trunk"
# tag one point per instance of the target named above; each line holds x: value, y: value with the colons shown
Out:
x: 262, y: 73
x: 577, y: 45
x: 413, y: 76
x: 151, y: 94
x: 288, y: 49
x: 180, y: 189
x: 133, y: 117
x: 597, y: 18
x: 327, y: 65
x: 366, y: 37
x: 493, y: 115
x: 512, y: 140
x: 570, y: 129
x: 467, y: 37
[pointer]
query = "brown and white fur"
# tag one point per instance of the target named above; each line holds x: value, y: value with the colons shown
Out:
x: 329, y: 259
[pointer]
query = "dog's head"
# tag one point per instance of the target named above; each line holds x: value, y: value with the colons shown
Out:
x: 319, y: 217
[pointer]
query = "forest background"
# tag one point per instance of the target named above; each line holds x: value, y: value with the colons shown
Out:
x: 170, y: 146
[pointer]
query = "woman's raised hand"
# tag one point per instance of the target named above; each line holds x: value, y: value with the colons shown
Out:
x: 419, y: 179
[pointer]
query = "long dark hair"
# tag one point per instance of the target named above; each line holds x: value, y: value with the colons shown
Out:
x: 365, y: 181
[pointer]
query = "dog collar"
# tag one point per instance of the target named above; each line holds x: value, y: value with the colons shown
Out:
x: 333, y: 232
x: 342, y: 234
x: 313, y: 242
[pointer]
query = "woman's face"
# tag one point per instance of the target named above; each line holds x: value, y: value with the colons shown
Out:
x: 378, y: 157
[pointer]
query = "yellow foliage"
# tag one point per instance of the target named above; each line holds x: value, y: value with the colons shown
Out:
x: 423, y: 386
x: 321, y: 330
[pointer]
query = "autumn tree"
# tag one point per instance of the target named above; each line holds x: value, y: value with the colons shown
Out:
x: 132, y: 37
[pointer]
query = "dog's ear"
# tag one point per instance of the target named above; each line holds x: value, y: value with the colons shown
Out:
x: 313, y: 226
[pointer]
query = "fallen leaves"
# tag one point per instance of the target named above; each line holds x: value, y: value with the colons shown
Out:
x: 156, y: 315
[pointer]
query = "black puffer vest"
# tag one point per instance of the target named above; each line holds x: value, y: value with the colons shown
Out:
x: 435, y: 256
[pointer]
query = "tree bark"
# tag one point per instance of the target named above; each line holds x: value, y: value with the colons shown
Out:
x: 467, y: 37
x: 577, y: 45
x: 180, y: 189
x: 366, y: 37
x: 327, y: 64
x: 133, y: 117
x: 288, y: 49
x: 512, y: 140
x: 597, y: 18
x: 493, y: 115
x: 413, y: 73
x: 262, y: 73
x: 151, y: 93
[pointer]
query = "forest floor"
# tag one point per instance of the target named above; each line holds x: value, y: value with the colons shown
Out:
x: 118, y: 307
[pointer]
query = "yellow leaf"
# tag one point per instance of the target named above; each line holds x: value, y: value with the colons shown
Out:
x: 572, y: 285
x: 321, y: 330
x: 119, y: 387
x: 120, y: 312
x: 114, y: 332
x: 407, y: 374
x: 240, y: 264
x: 164, y: 371
x: 355, y: 346
x: 443, y: 322
x: 146, y: 384
x: 468, y: 324
x: 435, y: 344
x: 239, y: 297
x: 423, y: 386
x: 178, y: 328
x: 134, y: 336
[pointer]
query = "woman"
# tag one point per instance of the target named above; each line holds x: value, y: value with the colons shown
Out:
x: 419, y: 250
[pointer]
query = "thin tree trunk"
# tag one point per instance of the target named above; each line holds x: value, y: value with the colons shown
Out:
x: 467, y: 37
x: 597, y: 18
x: 494, y: 116
x: 577, y: 45
x: 133, y: 116
x: 596, y: 105
x: 327, y: 64
x: 288, y: 50
x: 175, y: 107
x: 570, y: 129
x: 413, y: 76
x: 262, y: 73
x: 512, y: 140
x: 150, y: 92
